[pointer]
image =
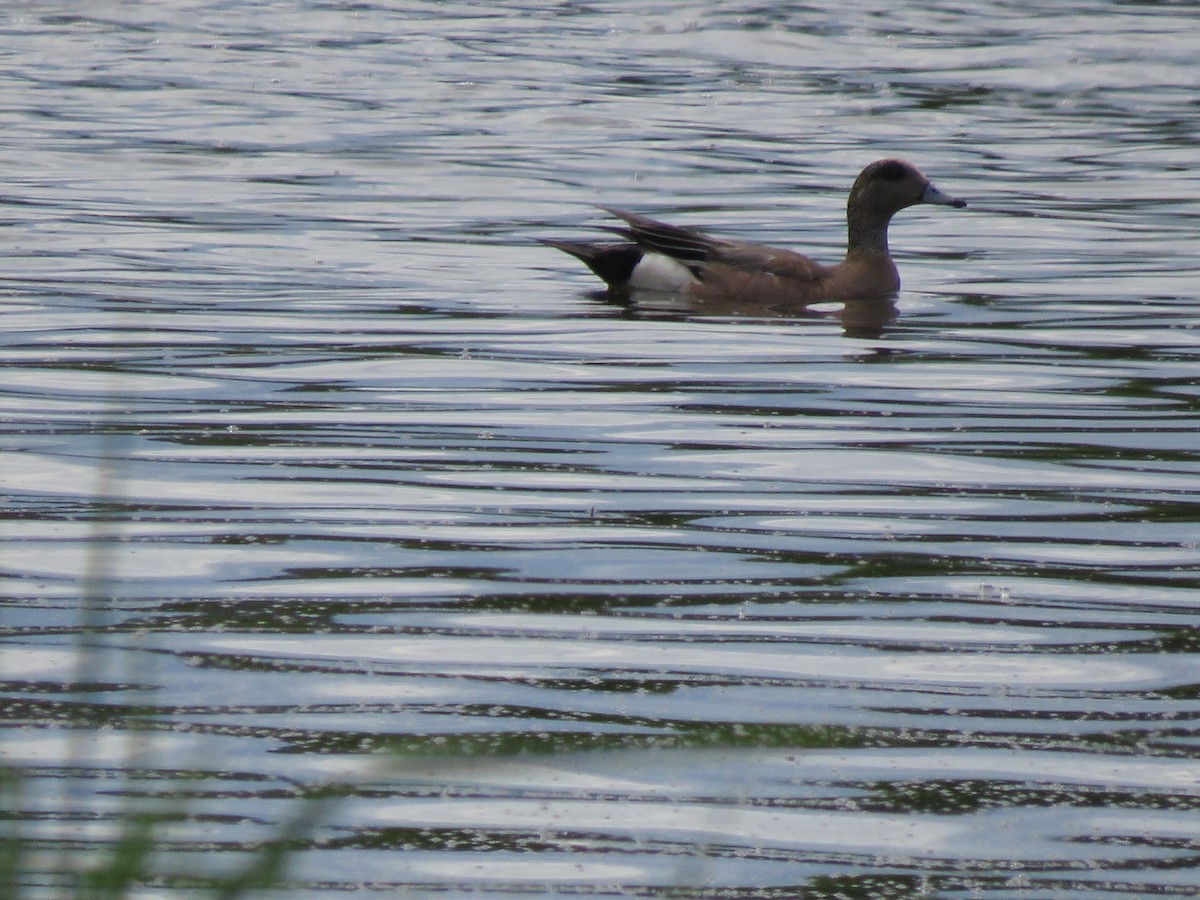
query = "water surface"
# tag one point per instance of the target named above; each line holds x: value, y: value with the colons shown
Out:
x: 319, y: 472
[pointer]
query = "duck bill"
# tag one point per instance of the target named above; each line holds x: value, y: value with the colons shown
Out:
x: 933, y: 195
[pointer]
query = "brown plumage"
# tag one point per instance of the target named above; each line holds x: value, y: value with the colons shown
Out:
x: 662, y: 257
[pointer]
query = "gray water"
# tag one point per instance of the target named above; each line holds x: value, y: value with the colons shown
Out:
x: 319, y: 473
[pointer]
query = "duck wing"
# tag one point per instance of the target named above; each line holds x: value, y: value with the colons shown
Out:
x: 685, y: 244
x: 691, y: 246
x: 757, y: 259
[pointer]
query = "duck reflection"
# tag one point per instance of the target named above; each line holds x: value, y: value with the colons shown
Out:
x: 867, y: 318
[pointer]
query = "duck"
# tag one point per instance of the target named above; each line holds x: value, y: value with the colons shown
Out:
x: 656, y: 256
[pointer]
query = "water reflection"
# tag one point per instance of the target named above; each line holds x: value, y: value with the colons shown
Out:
x: 859, y: 318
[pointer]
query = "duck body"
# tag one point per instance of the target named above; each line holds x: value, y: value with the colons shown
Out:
x: 655, y: 256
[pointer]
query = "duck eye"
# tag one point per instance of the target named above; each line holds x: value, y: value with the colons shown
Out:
x: 892, y: 170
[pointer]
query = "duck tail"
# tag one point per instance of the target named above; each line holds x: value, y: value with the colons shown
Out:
x: 612, y: 262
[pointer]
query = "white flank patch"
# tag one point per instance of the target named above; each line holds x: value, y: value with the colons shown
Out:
x: 656, y: 272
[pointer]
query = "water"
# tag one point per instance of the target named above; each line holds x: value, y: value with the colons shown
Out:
x: 319, y: 471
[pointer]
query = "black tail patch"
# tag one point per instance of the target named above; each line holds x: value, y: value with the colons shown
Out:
x: 613, y: 262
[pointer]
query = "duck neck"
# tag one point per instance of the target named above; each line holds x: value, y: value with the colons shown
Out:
x: 866, y: 233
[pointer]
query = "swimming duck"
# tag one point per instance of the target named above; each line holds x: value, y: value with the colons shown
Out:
x: 655, y: 256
